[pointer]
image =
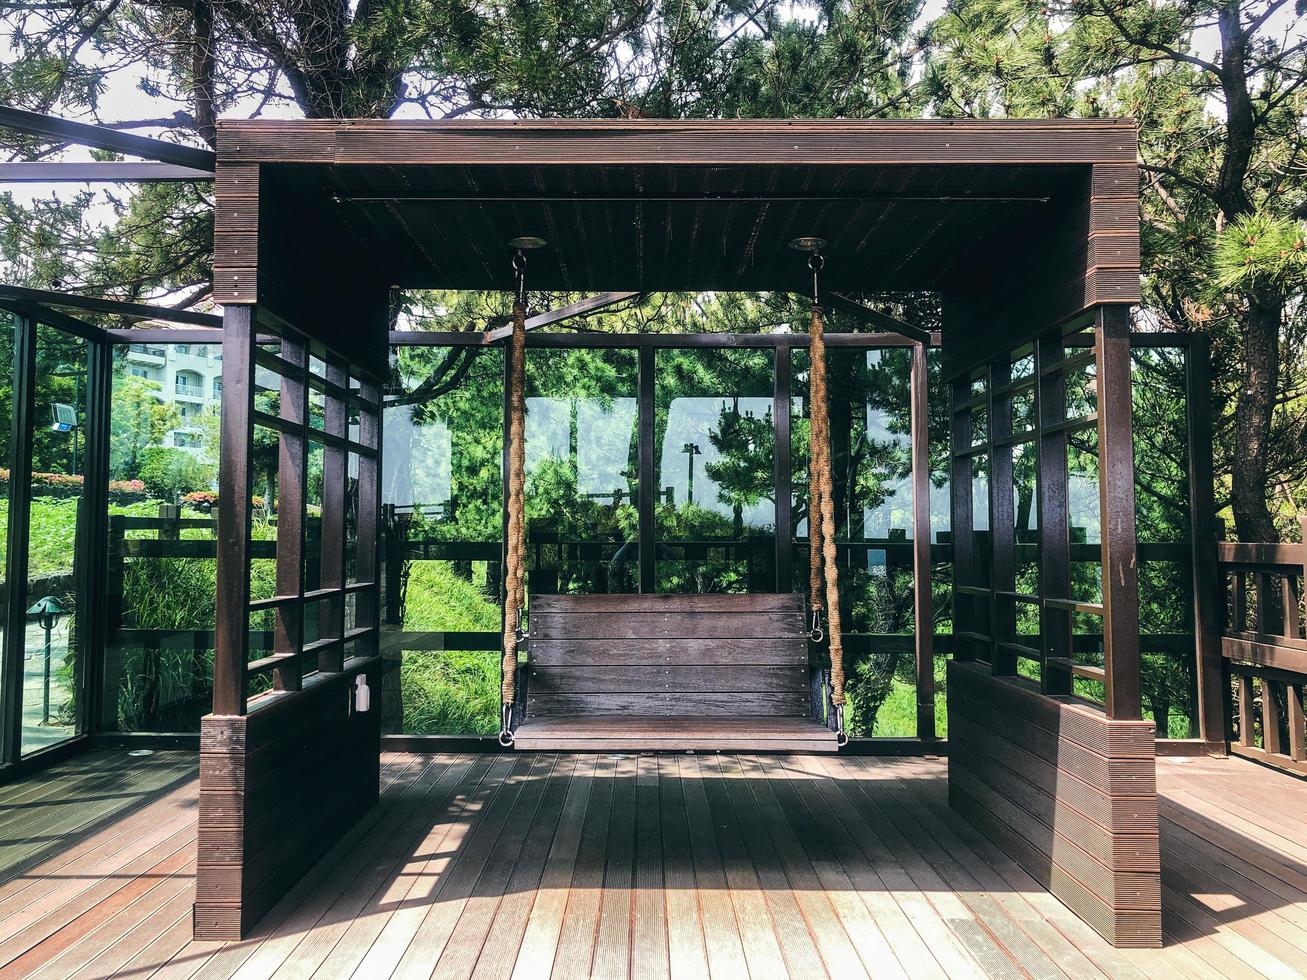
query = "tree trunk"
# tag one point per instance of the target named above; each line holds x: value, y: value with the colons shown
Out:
x: 202, y: 70
x: 1250, y: 470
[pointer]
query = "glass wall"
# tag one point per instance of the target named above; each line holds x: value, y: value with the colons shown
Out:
x: 1162, y: 515
x: 871, y: 455
x: 714, y: 462
x: 163, y: 465
x: 714, y: 470
x: 442, y: 527
x: 582, y: 471
x: 53, y: 645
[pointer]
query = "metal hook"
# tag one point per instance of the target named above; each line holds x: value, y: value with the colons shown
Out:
x: 816, y: 634
x: 816, y: 262
x: 841, y: 736
x: 519, y: 275
x: 505, y: 732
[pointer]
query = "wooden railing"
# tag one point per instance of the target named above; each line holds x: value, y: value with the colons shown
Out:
x: 1265, y: 651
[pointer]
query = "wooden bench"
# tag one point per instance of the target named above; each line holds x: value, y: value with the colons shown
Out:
x: 670, y: 672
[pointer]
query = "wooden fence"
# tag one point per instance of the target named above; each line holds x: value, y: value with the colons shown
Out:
x: 1265, y: 651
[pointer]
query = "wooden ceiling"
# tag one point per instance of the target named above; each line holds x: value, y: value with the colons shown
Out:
x: 1016, y: 222
x: 676, y: 227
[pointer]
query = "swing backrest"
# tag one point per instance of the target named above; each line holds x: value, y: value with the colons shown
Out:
x: 668, y: 655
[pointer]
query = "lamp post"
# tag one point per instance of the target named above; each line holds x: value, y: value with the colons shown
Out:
x: 65, y: 416
x: 47, y: 612
x: 691, y: 450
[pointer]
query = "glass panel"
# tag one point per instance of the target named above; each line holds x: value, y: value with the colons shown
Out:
x: 442, y: 495
x: 714, y: 448
x: 1162, y: 518
x: 979, y: 426
x: 980, y: 520
x: 7, y: 336
x: 1023, y: 362
x: 941, y: 549
x: 1023, y: 410
x: 52, y: 649
x: 1083, y: 516
x: 1081, y: 389
x: 158, y: 674
x: 582, y: 469
x: 870, y: 419
x: 1025, y: 513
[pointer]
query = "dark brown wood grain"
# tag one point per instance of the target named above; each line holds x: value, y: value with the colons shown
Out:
x: 277, y: 788
x: 1069, y: 793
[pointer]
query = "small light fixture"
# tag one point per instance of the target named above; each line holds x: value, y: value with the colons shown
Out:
x: 808, y: 243
x: 524, y: 242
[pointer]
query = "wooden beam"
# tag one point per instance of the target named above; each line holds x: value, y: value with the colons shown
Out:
x: 549, y: 317
x: 883, y: 321
x: 61, y: 172
x: 102, y: 138
x: 94, y: 304
x: 53, y: 318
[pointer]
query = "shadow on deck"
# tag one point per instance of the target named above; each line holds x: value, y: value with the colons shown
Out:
x: 684, y: 865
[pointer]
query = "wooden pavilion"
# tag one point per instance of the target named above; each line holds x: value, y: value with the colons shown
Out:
x: 669, y: 795
x: 1029, y: 231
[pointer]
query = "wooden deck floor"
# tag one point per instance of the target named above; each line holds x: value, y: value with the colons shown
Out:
x: 529, y: 865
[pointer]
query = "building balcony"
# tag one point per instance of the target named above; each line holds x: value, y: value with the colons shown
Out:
x: 145, y: 353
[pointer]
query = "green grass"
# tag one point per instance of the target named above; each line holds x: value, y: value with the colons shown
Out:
x: 449, y: 692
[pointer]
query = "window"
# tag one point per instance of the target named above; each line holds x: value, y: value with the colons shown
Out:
x: 217, y: 387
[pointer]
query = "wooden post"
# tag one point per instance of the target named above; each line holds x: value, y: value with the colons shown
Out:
x: 961, y: 519
x: 1054, y: 543
x: 335, y: 477
x: 1208, y: 590
x: 923, y: 612
x: 231, y: 625
x: 648, y: 492
x: 783, y: 468
x: 1002, y: 520
x: 1116, y: 502
x: 292, y: 492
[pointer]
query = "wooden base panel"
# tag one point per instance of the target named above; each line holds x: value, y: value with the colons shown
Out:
x: 1070, y: 795
x: 278, y: 788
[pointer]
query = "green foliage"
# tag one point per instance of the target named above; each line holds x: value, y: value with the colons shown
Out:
x: 139, y: 418
x: 1261, y: 247
x: 172, y: 473
x: 452, y: 692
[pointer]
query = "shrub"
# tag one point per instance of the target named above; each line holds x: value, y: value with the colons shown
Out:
x: 171, y: 473
x: 127, y: 492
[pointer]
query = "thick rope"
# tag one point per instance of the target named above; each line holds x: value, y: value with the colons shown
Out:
x: 821, y: 518
x: 515, y: 585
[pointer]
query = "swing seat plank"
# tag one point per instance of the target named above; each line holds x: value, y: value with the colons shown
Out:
x: 670, y: 672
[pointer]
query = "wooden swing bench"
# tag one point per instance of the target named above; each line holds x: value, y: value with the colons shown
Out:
x: 670, y: 673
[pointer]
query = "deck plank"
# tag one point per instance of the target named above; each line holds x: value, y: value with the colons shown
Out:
x: 538, y: 940
x: 687, y: 956
x: 658, y: 866
x: 468, y: 932
x: 389, y: 932
x: 565, y: 802
x: 576, y: 939
x: 721, y: 930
